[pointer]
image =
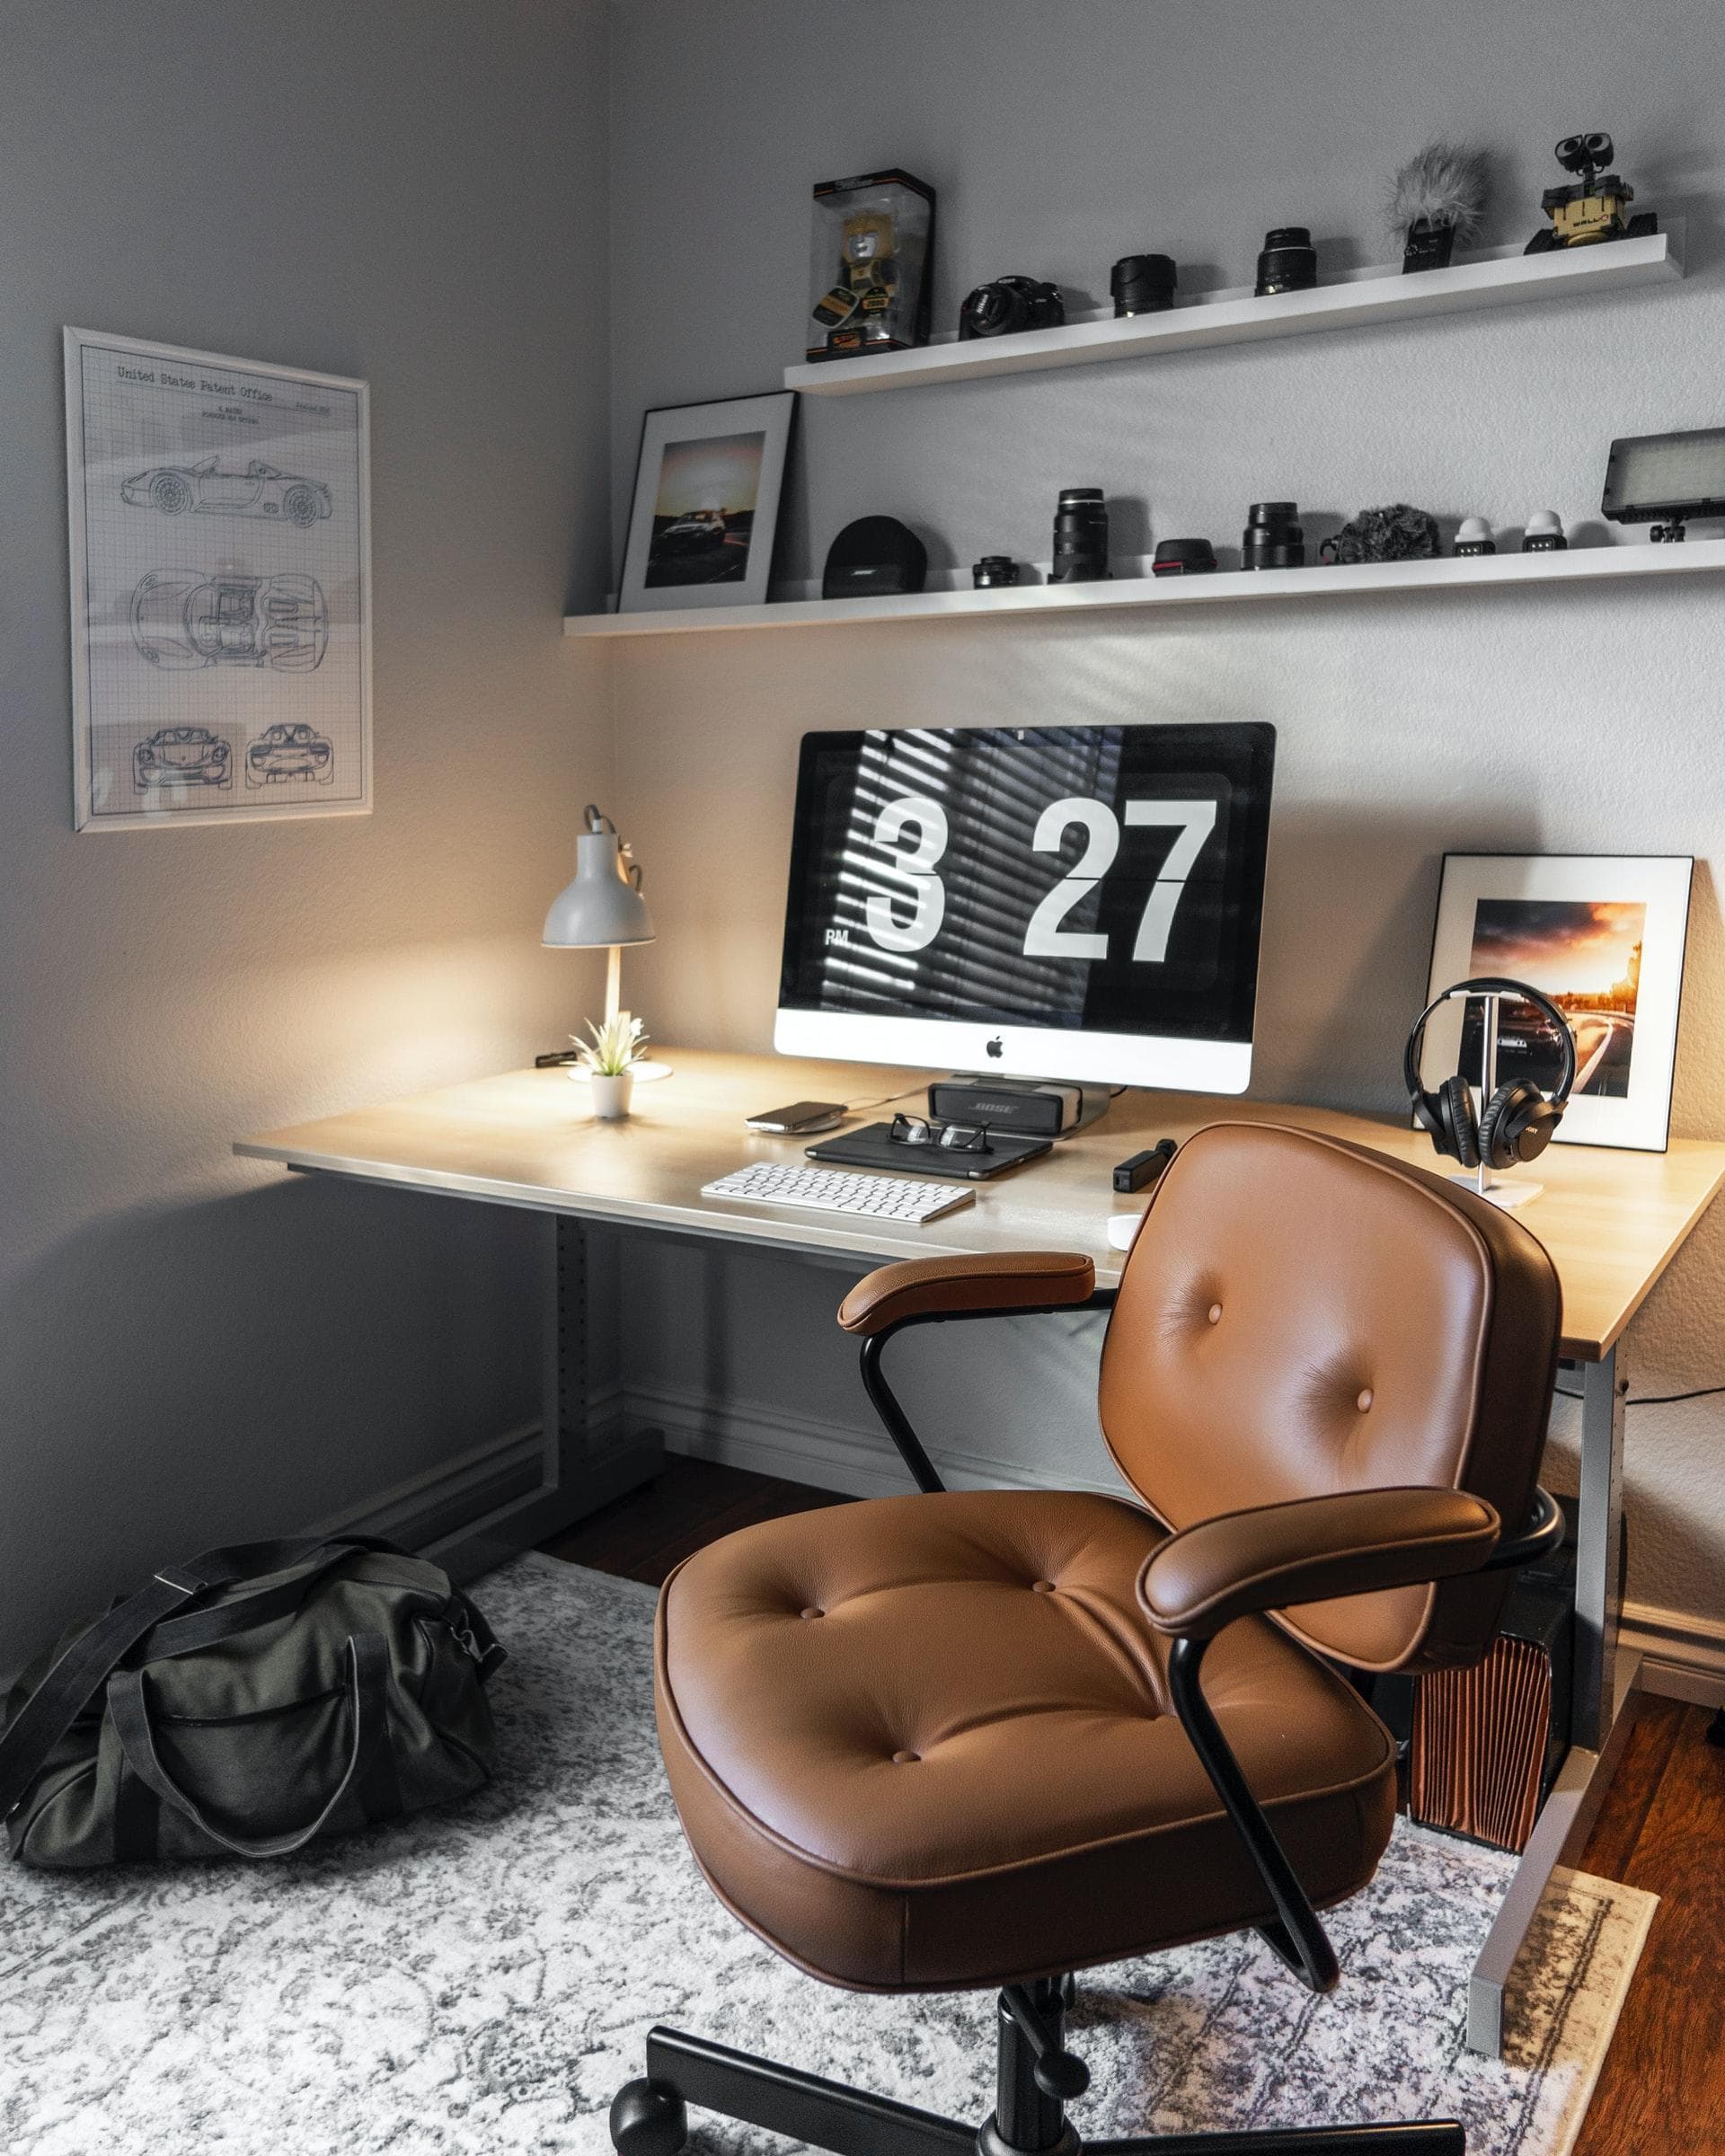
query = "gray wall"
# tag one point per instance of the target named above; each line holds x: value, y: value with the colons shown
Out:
x: 1059, y: 137
x: 192, y: 1349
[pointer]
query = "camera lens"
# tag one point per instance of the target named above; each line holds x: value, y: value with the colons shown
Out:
x: 1288, y: 263
x: 1183, y: 557
x: 1143, y: 284
x: 994, y: 570
x: 1272, y: 538
x: 1080, y: 536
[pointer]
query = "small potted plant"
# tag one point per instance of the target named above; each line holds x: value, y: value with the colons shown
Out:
x: 609, y: 1060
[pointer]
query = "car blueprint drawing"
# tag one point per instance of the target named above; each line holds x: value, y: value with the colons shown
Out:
x: 181, y: 755
x: 213, y: 487
x: 181, y: 618
x: 289, y: 750
x: 218, y: 512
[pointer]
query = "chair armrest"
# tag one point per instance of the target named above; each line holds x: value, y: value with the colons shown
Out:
x: 1276, y: 1556
x: 967, y: 1286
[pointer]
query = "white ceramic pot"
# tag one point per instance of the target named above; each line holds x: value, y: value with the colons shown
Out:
x: 611, y: 1095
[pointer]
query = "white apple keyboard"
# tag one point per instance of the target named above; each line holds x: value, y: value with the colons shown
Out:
x: 834, y: 1191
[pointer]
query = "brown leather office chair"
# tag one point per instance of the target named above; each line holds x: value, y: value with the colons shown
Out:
x: 958, y: 1740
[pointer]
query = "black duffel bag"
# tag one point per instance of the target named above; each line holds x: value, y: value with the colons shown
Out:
x: 247, y: 1703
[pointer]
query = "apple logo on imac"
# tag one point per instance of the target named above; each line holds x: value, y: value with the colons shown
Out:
x: 996, y: 1048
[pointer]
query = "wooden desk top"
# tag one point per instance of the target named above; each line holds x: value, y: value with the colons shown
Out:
x: 1612, y: 1221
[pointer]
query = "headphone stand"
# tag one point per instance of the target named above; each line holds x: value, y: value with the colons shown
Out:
x: 1481, y: 1179
x: 1495, y: 1190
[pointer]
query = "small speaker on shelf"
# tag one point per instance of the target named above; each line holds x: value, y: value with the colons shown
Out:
x: 874, y: 556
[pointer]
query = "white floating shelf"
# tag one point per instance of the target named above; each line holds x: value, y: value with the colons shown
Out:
x: 1500, y: 279
x: 1236, y: 588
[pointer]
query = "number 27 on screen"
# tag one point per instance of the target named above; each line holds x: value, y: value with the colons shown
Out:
x: 918, y: 862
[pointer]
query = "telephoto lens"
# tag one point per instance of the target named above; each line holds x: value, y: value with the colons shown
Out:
x: 1143, y: 284
x: 1288, y: 263
x: 1272, y: 538
x: 1080, y: 536
x: 994, y: 570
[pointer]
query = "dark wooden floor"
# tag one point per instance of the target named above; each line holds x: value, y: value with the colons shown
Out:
x: 1662, y: 2092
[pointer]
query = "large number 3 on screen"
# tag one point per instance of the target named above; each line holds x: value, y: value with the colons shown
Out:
x: 1192, y: 822
x: 918, y: 865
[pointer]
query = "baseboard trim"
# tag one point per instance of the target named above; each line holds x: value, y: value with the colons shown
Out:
x: 1682, y: 1657
x: 814, y: 1449
x: 428, y: 1506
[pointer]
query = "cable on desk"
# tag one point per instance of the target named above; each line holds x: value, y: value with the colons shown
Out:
x: 856, y: 1108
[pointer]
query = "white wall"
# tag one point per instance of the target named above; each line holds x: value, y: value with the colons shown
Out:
x: 192, y: 1349
x: 1059, y: 138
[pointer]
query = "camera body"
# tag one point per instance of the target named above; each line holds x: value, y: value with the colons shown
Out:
x: 1007, y: 305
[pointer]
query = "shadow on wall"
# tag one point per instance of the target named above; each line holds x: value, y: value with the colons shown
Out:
x: 1374, y: 915
x: 190, y: 1372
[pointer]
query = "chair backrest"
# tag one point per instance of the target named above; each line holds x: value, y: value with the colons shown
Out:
x: 1300, y: 1315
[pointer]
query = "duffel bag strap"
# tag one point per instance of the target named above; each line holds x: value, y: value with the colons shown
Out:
x: 80, y: 1673
x: 369, y: 1672
x: 85, y: 1667
x: 199, y: 1628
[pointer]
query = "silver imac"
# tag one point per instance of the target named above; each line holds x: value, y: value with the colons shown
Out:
x: 1064, y: 902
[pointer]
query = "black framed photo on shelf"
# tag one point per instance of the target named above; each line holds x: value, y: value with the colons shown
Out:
x: 706, y: 503
x: 1602, y: 935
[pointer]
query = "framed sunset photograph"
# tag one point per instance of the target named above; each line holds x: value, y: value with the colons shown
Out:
x: 706, y: 504
x: 1602, y: 935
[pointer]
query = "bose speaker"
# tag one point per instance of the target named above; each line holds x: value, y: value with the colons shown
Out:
x: 871, y: 557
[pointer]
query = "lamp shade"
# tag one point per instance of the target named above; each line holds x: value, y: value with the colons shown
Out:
x: 602, y: 906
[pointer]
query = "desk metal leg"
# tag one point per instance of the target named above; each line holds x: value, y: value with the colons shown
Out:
x: 1603, y: 1679
x: 576, y: 1470
x: 1599, y: 1552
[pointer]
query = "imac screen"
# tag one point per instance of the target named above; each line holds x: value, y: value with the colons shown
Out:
x: 1090, y: 879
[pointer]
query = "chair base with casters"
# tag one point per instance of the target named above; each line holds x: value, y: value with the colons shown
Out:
x: 1035, y: 2078
x: 976, y: 1740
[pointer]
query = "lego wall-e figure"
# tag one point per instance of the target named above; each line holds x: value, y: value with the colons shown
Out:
x: 1593, y: 206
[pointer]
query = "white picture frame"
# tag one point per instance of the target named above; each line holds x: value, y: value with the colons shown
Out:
x: 705, y: 509
x: 219, y: 526
x: 1566, y: 922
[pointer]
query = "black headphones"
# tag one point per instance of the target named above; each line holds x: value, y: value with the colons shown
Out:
x: 1518, y: 1121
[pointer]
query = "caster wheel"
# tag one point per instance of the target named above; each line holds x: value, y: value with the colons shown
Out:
x: 648, y: 2118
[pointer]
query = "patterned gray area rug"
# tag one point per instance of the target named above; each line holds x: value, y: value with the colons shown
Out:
x: 479, y: 1982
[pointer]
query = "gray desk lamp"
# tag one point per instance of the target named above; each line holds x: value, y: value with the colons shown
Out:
x: 603, y: 909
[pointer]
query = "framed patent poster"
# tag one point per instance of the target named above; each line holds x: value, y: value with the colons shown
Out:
x: 220, y: 524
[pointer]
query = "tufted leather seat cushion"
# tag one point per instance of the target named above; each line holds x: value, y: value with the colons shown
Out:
x: 927, y: 1742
